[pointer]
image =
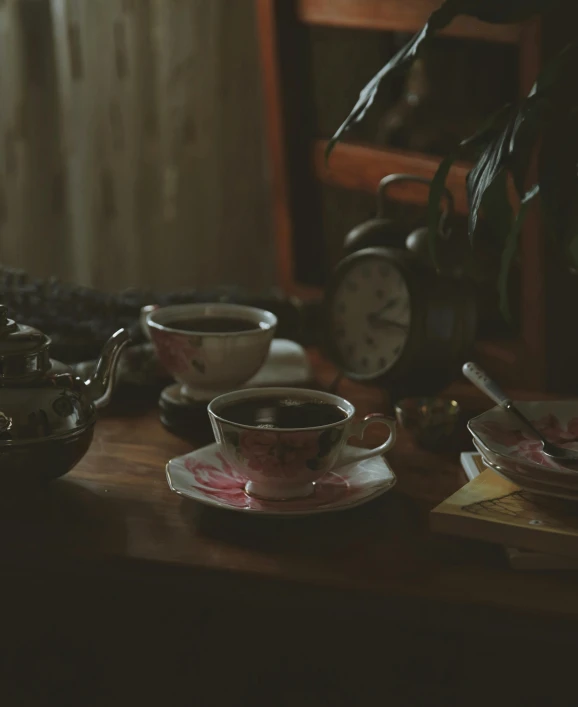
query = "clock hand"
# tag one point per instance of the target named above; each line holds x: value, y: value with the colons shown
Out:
x: 388, y: 305
x: 376, y: 320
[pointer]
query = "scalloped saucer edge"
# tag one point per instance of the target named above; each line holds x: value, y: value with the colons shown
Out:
x: 207, y: 477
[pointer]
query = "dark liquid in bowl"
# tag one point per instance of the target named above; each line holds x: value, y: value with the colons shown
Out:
x: 282, y: 412
x: 208, y: 325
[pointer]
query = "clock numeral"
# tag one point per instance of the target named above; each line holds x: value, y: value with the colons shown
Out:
x: 364, y: 362
x: 391, y: 303
x: 397, y: 350
x: 369, y: 341
x: 382, y: 362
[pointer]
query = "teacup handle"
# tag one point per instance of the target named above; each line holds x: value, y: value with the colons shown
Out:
x: 353, y: 456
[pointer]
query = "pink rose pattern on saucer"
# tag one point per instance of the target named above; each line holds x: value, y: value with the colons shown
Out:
x: 178, y: 353
x: 222, y: 482
x: 207, y: 477
x: 522, y: 445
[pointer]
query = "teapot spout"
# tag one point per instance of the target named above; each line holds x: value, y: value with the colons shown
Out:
x: 101, y: 384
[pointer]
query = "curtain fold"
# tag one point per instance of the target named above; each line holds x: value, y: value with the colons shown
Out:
x: 131, y: 143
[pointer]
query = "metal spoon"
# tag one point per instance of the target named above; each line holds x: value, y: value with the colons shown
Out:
x: 482, y: 381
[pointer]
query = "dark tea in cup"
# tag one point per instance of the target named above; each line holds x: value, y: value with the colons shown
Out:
x: 284, y: 439
x: 213, y: 325
x: 283, y: 412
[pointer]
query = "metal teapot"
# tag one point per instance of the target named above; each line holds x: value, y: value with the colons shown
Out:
x: 47, y: 414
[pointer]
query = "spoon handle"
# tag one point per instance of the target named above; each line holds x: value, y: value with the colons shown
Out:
x: 483, y: 382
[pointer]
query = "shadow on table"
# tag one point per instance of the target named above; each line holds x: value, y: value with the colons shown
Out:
x: 380, y: 538
x: 62, y: 518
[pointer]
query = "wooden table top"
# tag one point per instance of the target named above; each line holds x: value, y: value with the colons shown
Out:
x: 115, y: 510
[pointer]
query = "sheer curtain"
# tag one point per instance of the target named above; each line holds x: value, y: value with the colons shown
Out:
x: 131, y: 146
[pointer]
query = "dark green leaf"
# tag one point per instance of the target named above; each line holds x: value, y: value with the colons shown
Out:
x: 439, y: 19
x: 436, y: 192
x: 550, y: 74
x: 523, y: 140
x: 532, y: 112
x: 480, y: 139
x: 481, y: 177
x: 497, y: 208
x: 510, y: 250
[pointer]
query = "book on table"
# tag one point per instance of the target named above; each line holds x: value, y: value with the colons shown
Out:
x: 538, y: 534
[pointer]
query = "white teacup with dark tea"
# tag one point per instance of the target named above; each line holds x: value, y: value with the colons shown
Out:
x: 210, y: 348
x: 285, y: 439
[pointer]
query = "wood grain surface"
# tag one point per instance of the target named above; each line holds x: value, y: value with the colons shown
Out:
x: 115, y: 512
x: 398, y: 16
x: 117, y: 592
x: 361, y: 168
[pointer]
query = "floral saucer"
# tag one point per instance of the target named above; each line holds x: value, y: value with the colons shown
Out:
x: 207, y: 477
x: 499, y: 432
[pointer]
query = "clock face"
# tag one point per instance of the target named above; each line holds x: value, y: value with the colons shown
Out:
x: 370, y: 316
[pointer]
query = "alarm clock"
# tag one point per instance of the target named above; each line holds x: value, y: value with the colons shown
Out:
x: 392, y: 320
x: 382, y: 231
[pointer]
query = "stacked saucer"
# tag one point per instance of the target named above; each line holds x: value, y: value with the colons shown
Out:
x: 513, y: 453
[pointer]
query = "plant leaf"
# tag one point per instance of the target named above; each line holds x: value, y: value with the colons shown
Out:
x: 438, y: 184
x: 532, y: 112
x: 523, y: 139
x: 510, y: 249
x: 497, y: 208
x: 436, y: 192
x: 485, y: 171
x: 439, y: 19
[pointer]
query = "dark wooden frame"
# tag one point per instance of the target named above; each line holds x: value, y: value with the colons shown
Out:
x: 297, y: 165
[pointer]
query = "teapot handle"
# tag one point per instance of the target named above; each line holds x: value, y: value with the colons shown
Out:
x: 143, y: 318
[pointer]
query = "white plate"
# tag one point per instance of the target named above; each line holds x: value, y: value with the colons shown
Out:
x: 504, y: 436
x: 207, y: 477
x: 541, y: 475
x: 534, y: 487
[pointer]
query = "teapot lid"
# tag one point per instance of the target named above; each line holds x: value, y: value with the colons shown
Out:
x: 17, y: 339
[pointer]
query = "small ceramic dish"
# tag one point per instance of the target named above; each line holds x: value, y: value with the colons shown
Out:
x: 547, y: 477
x: 533, y: 487
x: 503, y: 436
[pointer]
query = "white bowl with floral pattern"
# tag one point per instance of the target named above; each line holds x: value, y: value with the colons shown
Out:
x: 526, y: 475
x: 208, y: 363
x: 508, y: 443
